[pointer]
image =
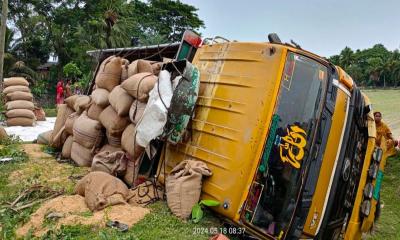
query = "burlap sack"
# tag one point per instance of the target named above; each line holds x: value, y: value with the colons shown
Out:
x: 139, y: 66
x: 94, y: 111
x: 20, y: 104
x: 114, y: 124
x: 20, y: 113
x: 139, y: 85
x: 156, y: 66
x: 129, y: 144
x: 59, y: 135
x: 132, y: 171
x: 120, y: 100
x: 66, y: 149
x: 3, y: 134
x: 39, y: 114
x: 18, y: 95
x: 113, y: 163
x: 70, y: 101
x: 101, y: 190
x: 44, y: 138
x: 12, y: 89
x: 81, y: 155
x: 109, y: 73
x: 82, y: 103
x: 124, y: 70
x: 145, y: 194
x: 69, y: 123
x: 113, y: 140
x: 110, y: 148
x: 15, y: 81
x: 183, y: 186
x: 20, y: 121
x: 100, y: 97
x: 87, y: 132
x: 136, y: 111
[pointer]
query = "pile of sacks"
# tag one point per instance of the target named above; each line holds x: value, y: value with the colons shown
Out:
x: 19, y: 102
x: 105, y: 123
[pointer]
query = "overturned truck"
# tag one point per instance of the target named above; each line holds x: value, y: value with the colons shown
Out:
x: 289, y: 137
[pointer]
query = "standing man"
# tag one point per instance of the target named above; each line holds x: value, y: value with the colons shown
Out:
x: 68, y: 89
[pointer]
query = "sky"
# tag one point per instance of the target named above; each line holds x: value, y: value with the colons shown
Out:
x: 324, y: 27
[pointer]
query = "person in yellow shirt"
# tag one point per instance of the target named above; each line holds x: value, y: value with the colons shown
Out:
x: 382, y: 130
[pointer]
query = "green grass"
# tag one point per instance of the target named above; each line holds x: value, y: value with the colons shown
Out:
x: 50, y: 112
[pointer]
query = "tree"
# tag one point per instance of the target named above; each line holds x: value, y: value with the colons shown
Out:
x: 3, y: 30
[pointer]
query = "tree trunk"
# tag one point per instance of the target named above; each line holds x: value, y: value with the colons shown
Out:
x: 3, y: 39
x: 108, y: 35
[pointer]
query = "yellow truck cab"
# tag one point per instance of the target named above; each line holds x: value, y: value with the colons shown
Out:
x: 290, y: 140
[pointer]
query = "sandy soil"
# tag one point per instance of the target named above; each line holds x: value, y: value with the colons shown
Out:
x: 72, y: 210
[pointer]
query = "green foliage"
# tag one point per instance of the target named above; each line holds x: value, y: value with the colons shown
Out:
x: 197, y: 211
x: 71, y: 70
x: 19, y: 69
x: 374, y: 66
x: 39, y: 89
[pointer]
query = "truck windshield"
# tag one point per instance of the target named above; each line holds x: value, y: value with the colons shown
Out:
x: 291, y: 135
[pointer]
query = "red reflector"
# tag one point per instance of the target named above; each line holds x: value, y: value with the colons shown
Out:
x: 192, y: 38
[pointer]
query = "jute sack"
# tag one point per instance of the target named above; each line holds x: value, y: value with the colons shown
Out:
x: 58, y: 136
x: 81, y: 155
x: 20, y: 104
x: 129, y: 144
x: 70, y: 101
x: 120, y: 100
x: 101, y: 190
x: 94, y: 111
x: 87, y: 132
x: 183, y: 186
x: 132, y: 171
x: 12, y: 89
x: 136, y: 111
x: 156, y: 66
x: 20, y: 121
x: 113, y: 163
x: 82, y: 103
x: 69, y: 123
x: 15, y: 81
x: 44, y: 138
x: 124, y: 70
x: 139, y: 85
x: 100, y: 97
x: 18, y: 95
x: 114, y: 124
x: 110, y: 148
x: 139, y: 66
x: 3, y: 134
x: 113, y: 141
x: 39, y: 114
x: 66, y: 149
x: 20, y: 113
x: 109, y: 73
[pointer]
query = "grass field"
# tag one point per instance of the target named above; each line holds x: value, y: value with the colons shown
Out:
x: 160, y: 223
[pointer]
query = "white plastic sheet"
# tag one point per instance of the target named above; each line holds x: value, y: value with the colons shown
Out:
x: 155, y: 115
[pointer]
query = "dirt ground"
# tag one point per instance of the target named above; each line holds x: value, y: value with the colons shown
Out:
x: 72, y: 210
x: 58, y: 175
